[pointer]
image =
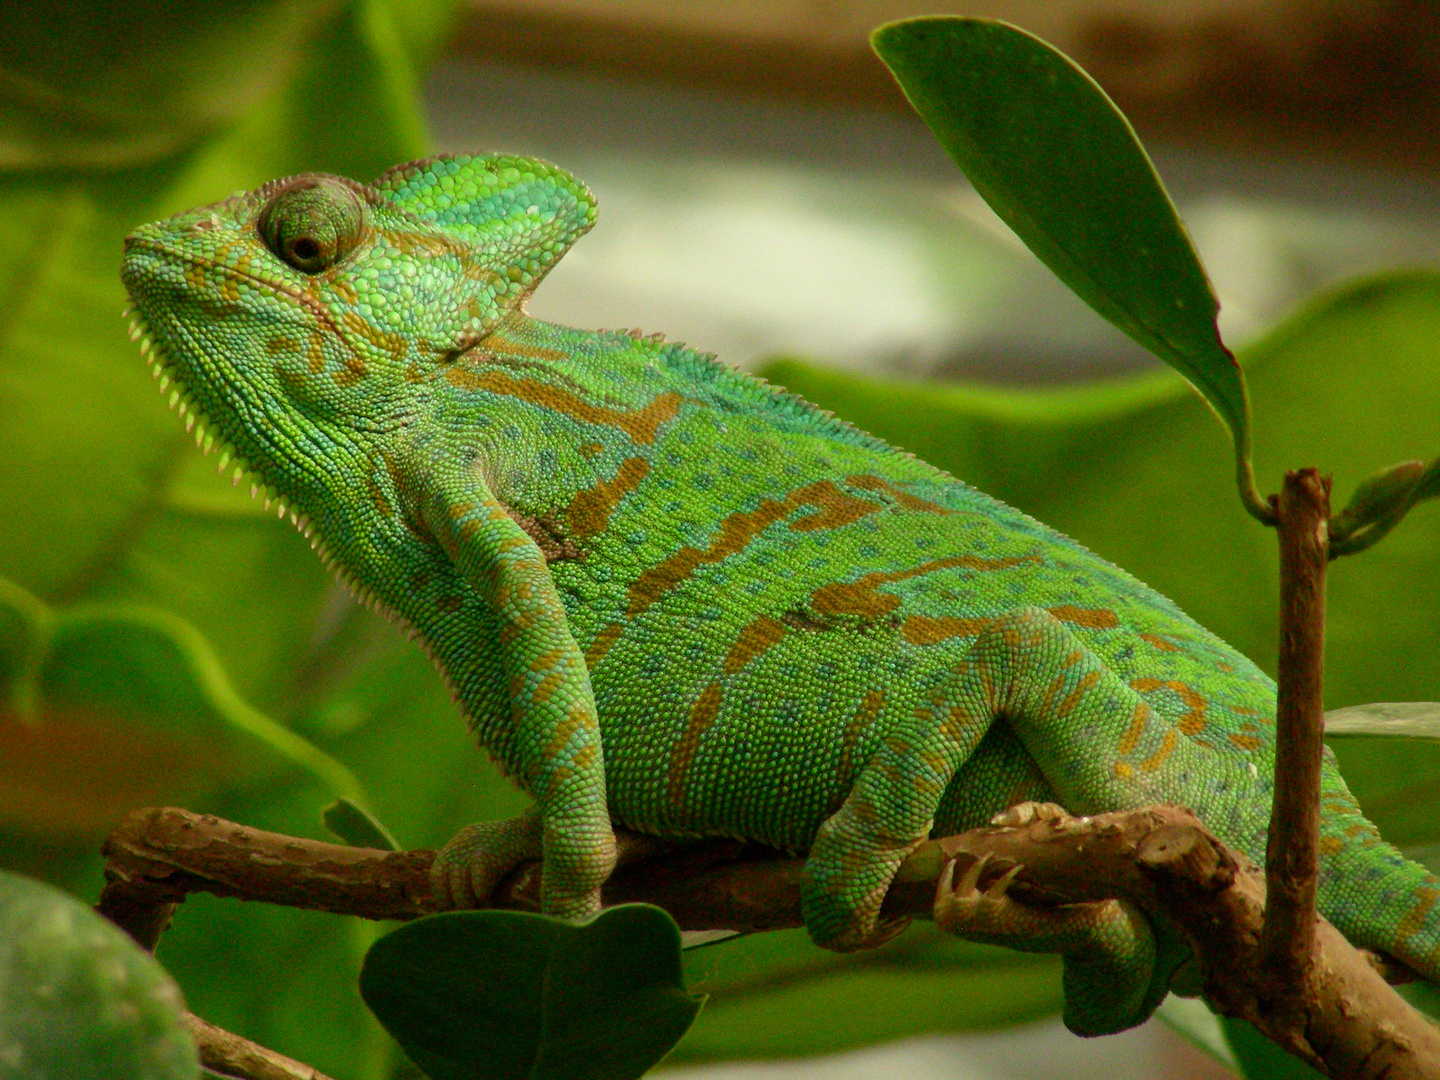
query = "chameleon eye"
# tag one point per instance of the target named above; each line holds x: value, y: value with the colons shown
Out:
x: 312, y: 223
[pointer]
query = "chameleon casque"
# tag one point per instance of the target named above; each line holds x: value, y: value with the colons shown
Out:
x: 670, y: 597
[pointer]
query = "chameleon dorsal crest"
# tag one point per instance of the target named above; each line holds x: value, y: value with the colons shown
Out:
x: 517, y: 216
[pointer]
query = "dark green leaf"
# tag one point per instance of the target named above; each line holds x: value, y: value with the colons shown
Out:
x: 352, y: 823
x: 505, y: 994
x: 79, y: 999
x: 1261, y: 1059
x: 1060, y: 164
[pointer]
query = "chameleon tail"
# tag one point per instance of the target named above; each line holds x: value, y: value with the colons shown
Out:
x: 1373, y: 894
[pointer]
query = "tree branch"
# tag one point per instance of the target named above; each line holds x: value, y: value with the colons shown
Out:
x: 1292, y: 856
x: 1162, y: 859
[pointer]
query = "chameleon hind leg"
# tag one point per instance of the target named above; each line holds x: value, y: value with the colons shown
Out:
x: 1058, y: 697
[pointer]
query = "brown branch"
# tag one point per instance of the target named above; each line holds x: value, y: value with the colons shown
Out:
x: 1162, y: 859
x: 232, y: 1055
x: 1292, y: 857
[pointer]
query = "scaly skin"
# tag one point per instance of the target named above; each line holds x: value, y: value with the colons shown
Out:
x: 669, y: 596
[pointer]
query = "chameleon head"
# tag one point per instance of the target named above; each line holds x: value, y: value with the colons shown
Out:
x: 315, y: 308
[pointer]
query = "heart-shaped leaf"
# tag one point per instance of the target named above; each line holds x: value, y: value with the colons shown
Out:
x: 506, y: 994
x: 1060, y: 164
x: 78, y: 998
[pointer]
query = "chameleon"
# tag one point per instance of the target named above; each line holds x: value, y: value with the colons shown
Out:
x: 672, y: 598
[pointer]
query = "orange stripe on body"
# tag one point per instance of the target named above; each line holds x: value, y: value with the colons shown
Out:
x: 702, y: 715
x: 590, y: 510
x: 901, y: 496
x: 1190, y: 723
x: 640, y: 424
x: 601, y: 645
x: 859, y: 597
x: 865, y: 715
x: 1414, y: 919
x: 1131, y: 738
x: 1155, y: 760
x: 1091, y: 618
x: 758, y: 635
x: 834, y: 508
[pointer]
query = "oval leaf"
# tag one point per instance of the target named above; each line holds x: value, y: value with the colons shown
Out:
x: 507, y: 994
x: 79, y: 999
x: 1060, y: 164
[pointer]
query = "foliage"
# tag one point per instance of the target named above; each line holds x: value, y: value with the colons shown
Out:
x: 78, y: 998
x: 160, y: 636
x: 505, y: 994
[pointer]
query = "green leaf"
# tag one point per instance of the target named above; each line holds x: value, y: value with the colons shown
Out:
x: 1386, y: 720
x: 352, y: 823
x: 505, y: 994
x: 776, y: 994
x: 79, y: 999
x: 1060, y: 164
x: 1260, y: 1058
x: 120, y: 90
x: 146, y: 693
x: 1192, y: 1018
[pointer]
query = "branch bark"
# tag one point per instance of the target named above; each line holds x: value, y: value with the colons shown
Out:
x: 1161, y: 858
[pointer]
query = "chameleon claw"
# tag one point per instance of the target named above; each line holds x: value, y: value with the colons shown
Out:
x: 971, y: 880
x: 1001, y: 885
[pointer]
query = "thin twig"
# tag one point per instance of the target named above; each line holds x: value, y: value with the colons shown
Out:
x: 225, y: 1052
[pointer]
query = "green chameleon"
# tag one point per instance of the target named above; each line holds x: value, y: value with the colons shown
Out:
x: 670, y: 597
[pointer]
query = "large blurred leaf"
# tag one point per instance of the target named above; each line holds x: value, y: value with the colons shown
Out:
x: 127, y: 83
x: 278, y: 89
x: 108, y: 707
x: 1060, y: 164
x: 513, y: 996
x: 777, y: 995
x: 79, y: 999
x: 106, y: 505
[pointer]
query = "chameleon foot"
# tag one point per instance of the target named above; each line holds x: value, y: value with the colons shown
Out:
x: 467, y: 869
x: 1108, y: 947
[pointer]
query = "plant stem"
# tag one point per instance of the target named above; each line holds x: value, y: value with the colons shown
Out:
x: 1292, y: 859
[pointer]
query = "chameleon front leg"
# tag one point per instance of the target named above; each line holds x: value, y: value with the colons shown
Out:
x: 554, y: 730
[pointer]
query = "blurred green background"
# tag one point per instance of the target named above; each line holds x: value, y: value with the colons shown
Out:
x: 164, y: 640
